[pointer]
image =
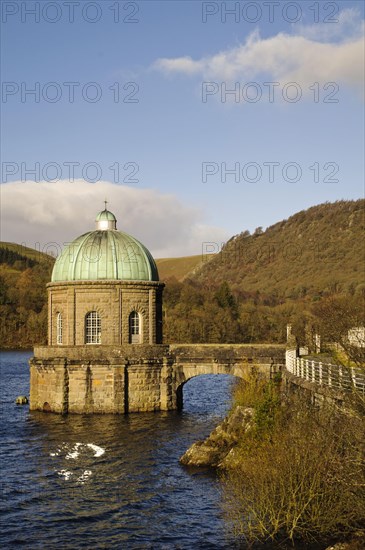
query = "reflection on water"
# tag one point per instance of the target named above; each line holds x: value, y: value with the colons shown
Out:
x: 108, y: 481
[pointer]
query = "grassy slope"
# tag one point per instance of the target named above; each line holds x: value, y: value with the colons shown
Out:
x: 180, y: 268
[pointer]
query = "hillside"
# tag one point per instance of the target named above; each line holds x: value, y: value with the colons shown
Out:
x: 316, y: 251
x: 180, y: 268
x: 27, y: 253
x: 24, y: 273
x: 258, y: 283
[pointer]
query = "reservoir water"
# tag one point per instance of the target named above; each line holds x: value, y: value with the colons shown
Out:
x: 108, y: 481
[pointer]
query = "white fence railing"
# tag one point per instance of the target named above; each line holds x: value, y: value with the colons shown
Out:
x: 326, y: 374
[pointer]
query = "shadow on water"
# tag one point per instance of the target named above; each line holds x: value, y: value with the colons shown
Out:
x: 108, y: 481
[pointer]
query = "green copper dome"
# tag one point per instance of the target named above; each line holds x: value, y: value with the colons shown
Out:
x: 105, y: 254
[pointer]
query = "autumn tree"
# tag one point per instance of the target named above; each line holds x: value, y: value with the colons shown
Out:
x: 335, y: 317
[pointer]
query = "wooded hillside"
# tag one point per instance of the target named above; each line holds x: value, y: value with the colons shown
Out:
x: 258, y: 283
x: 317, y: 251
x: 24, y: 273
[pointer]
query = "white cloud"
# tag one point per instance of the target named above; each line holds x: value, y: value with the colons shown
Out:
x: 180, y: 64
x: 59, y: 212
x: 349, y: 26
x: 306, y: 56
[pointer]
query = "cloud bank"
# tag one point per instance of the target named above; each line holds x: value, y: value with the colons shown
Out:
x: 323, y: 52
x: 59, y: 212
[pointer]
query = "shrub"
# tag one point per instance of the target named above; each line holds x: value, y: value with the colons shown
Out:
x: 303, y: 483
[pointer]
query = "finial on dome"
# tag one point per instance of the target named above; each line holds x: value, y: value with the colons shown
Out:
x: 105, y: 220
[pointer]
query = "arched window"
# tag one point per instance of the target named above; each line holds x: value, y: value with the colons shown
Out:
x: 59, y: 328
x: 134, y: 328
x: 92, y: 328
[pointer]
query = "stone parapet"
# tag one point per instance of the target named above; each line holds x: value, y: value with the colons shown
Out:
x: 229, y: 353
x: 107, y: 354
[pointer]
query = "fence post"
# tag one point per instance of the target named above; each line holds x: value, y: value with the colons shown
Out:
x: 320, y: 373
x: 340, y: 376
x: 353, y: 377
x: 306, y: 364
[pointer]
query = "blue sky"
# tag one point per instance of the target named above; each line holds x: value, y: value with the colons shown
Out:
x: 139, y: 105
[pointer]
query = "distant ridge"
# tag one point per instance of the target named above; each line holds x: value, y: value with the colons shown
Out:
x: 30, y: 253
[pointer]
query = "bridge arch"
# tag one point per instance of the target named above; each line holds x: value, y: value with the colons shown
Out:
x: 200, y: 391
x: 186, y: 372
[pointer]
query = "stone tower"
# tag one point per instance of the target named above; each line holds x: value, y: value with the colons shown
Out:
x: 105, y: 351
x: 104, y: 290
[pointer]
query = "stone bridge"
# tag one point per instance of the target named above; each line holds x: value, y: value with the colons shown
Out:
x: 238, y: 360
x: 135, y: 378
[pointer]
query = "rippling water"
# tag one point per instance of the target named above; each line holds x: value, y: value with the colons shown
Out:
x: 108, y: 481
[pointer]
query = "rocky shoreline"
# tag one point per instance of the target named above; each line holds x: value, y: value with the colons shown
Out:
x: 217, y: 450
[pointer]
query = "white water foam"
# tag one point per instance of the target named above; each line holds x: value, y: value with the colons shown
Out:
x: 84, y: 476
x: 98, y: 450
x: 75, y: 453
x: 65, y: 473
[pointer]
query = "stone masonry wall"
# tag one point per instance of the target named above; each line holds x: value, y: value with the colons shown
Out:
x: 114, y: 301
x: 48, y: 385
x: 134, y: 378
